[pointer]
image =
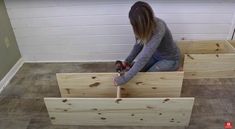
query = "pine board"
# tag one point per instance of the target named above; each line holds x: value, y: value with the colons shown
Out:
x: 199, y: 66
x: 128, y: 112
x: 151, y: 84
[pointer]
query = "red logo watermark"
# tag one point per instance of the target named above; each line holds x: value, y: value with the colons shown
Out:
x: 228, y: 125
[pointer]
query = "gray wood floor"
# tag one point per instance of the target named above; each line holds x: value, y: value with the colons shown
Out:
x: 22, y: 105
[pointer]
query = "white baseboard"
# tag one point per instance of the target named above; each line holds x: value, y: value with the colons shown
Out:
x: 11, y: 74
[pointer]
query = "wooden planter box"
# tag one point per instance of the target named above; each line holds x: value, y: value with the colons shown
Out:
x: 207, y: 59
x: 149, y: 99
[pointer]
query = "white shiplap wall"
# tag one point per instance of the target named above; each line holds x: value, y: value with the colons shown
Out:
x: 99, y: 30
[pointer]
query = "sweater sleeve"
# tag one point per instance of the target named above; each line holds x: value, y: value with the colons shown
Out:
x: 134, y: 52
x: 145, y: 55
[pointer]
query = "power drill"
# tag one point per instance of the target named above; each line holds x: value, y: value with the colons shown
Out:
x: 121, y: 68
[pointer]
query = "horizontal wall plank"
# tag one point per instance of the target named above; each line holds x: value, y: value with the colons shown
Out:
x: 182, y: 5
x: 129, y: 111
x: 87, y: 40
x: 120, y: 30
x: 76, y: 30
x: 118, y: 20
x: 117, y: 9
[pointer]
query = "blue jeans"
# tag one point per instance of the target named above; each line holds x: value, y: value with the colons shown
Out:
x: 161, y: 65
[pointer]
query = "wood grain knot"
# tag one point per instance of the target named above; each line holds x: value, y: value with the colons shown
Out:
x: 217, y: 44
x: 165, y: 100
x: 52, y: 118
x: 138, y: 83
x: 94, y: 109
x: 141, y: 119
x: 103, y: 118
x: 189, y: 56
x: 132, y: 114
x: 172, y: 120
x: 149, y: 107
x: 118, y: 100
x: 154, y: 88
x: 68, y: 90
x: 160, y: 114
x: 93, y: 77
x: 64, y: 100
x: 123, y: 89
x: 94, y: 84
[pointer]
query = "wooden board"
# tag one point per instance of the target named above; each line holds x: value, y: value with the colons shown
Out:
x: 198, y: 66
x: 204, y: 47
x: 232, y: 43
x: 128, y: 112
x: 90, y: 85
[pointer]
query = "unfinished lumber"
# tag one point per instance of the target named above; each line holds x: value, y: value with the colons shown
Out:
x: 199, y: 66
x: 151, y: 84
x: 128, y: 112
x: 232, y: 43
x: 204, y: 47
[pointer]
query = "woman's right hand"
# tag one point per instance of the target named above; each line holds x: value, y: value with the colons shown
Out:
x: 127, y: 66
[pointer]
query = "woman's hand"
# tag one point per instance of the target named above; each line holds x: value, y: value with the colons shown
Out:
x: 127, y: 66
x: 119, y: 79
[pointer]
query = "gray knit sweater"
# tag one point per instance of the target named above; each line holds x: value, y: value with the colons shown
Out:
x: 160, y: 46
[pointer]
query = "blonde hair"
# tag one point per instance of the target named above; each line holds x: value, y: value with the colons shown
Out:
x: 142, y: 20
